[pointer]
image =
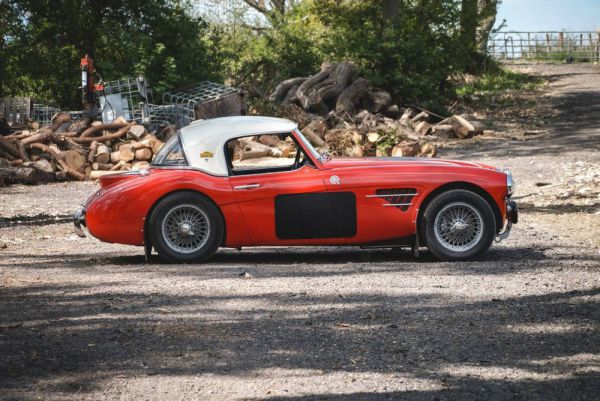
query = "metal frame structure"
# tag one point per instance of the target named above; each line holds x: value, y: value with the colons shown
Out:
x: 185, y: 100
x: 134, y: 99
x: 545, y: 46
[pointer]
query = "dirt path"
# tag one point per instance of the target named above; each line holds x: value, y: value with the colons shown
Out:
x: 81, y: 319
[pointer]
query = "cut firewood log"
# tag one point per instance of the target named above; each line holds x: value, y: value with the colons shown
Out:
x: 373, y: 137
x: 126, y: 153
x: 43, y: 165
x: 100, y: 127
x: 58, y: 120
x: 95, y: 174
x: 377, y: 101
x: 41, y: 137
x: 109, y: 137
x: 461, y: 132
x: 145, y: 143
x: 136, y: 131
x: 392, y: 111
x: 92, y: 152
x: 357, y: 138
x: 74, y: 160
x: 115, y: 157
x: 102, y: 166
x: 350, y: 96
x: 406, y: 149
x: 156, y: 143
x: 443, y: 131
x: 281, y: 90
x: 253, y: 150
x: 63, y: 165
x: 312, y: 137
x: 478, y: 126
x: 70, y: 145
x: 80, y: 125
x: 318, y: 127
x: 102, y: 154
x: 423, y: 128
x: 406, y: 117
x: 428, y: 150
x: 357, y: 151
x: 9, y: 147
x: 269, y: 140
x: 117, y: 166
x: 24, y: 175
x: 143, y: 154
x: 422, y: 116
x: 5, y: 155
x: 141, y: 165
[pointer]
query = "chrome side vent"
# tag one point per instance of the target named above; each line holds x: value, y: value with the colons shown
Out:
x: 400, y: 198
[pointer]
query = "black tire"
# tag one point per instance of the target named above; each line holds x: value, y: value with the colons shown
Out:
x: 204, y: 246
x: 474, y: 242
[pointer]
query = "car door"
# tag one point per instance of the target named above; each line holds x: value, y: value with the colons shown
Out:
x: 384, y: 211
x: 285, y: 203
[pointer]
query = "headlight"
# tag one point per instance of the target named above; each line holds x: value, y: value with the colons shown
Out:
x: 511, y: 185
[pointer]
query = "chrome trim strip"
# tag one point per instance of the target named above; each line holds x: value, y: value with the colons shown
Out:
x: 385, y: 196
x: 249, y: 186
x: 398, y: 204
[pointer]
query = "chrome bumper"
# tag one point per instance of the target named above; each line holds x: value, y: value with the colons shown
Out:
x: 79, y: 222
x: 512, y: 217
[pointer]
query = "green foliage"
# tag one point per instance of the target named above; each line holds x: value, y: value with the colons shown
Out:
x: 498, y: 81
x: 159, y: 38
x: 409, y: 53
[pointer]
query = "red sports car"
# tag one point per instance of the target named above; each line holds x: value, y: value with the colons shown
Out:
x: 212, y: 186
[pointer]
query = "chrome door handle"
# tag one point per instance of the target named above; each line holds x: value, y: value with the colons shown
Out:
x: 249, y: 186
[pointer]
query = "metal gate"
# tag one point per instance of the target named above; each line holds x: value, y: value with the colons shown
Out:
x: 545, y: 46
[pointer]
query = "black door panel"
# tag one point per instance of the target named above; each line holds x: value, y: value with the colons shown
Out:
x: 315, y: 215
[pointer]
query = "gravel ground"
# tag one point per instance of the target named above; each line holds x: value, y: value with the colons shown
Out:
x: 80, y: 319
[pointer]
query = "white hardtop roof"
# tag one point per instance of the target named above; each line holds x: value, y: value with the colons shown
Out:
x: 208, y: 137
x: 231, y: 127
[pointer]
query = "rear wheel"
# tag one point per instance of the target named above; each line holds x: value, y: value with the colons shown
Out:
x: 186, y: 227
x: 458, y: 225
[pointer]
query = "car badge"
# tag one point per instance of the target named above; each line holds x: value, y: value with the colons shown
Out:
x: 334, y: 179
x: 206, y: 154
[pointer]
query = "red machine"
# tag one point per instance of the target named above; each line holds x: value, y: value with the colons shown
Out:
x: 88, y: 85
x: 201, y: 193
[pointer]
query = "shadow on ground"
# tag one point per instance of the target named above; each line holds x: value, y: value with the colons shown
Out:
x: 76, y: 336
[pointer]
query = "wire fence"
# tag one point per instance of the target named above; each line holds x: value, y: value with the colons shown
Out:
x: 545, y: 46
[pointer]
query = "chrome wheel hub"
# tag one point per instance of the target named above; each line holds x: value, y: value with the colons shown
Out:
x: 185, y: 228
x: 458, y: 227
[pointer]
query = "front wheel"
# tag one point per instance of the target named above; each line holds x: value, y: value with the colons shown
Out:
x: 458, y: 225
x: 186, y: 227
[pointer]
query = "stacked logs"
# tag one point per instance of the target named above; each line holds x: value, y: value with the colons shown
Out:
x: 76, y: 150
x: 343, y: 114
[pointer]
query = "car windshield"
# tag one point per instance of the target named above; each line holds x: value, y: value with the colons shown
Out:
x: 307, y: 145
x: 171, y: 154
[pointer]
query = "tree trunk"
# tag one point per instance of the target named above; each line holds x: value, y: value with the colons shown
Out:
x: 281, y: 90
x: 307, y: 100
x: 350, y: 96
x: 487, y: 10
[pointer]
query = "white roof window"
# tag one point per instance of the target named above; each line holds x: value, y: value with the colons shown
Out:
x: 204, y: 141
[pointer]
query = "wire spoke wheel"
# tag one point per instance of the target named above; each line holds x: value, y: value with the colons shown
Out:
x: 185, y: 228
x: 458, y: 227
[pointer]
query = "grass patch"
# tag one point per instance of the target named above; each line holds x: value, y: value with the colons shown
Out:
x: 498, y: 81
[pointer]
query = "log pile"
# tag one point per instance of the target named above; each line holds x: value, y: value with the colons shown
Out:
x: 344, y: 115
x: 75, y: 150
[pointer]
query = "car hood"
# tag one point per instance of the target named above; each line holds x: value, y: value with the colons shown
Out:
x: 349, y: 162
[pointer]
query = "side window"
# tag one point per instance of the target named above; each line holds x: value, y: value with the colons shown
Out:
x: 262, y: 153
